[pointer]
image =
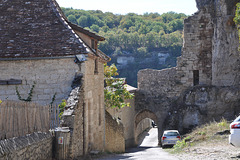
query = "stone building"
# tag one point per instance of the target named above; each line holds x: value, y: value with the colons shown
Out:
x: 126, y: 116
x: 205, y: 85
x: 45, y: 58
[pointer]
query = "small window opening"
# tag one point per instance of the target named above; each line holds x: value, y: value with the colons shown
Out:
x: 196, y: 77
x: 100, y: 110
x: 96, y: 67
x: 93, y: 44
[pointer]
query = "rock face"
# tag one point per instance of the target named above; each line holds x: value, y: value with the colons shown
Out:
x: 205, y: 85
x: 225, y: 59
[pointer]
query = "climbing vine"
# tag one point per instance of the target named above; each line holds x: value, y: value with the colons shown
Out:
x: 53, y: 99
x: 30, y: 94
x: 237, y: 19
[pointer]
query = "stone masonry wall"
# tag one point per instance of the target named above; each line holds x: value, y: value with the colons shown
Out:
x: 158, y: 82
x: 197, y: 49
x: 126, y: 115
x: 94, y: 120
x: 52, y: 76
x: 31, y: 147
x: 115, y: 141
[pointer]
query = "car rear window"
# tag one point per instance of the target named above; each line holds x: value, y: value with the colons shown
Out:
x: 237, y: 119
x: 171, y: 134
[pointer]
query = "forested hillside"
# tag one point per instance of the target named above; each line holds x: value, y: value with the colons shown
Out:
x: 137, y: 38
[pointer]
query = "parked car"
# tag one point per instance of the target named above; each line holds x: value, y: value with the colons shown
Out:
x: 170, y: 138
x: 153, y: 124
x: 234, y: 137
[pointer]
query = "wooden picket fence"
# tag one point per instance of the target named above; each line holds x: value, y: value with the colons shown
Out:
x: 54, y: 117
x: 22, y: 118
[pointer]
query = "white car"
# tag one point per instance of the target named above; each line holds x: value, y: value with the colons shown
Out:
x: 234, y: 137
x: 170, y: 138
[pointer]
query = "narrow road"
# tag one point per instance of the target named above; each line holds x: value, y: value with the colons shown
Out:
x: 148, y: 150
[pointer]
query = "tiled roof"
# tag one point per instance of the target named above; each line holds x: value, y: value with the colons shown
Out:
x: 87, y: 32
x: 36, y: 28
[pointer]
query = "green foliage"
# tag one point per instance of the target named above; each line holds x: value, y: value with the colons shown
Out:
x: 61, y: 107
x: 181, y: 144
x: 30, y: 94
x: 223, y: 124
x: 115, y: 91
x: 132, y: 31
x: 237, y: 19
x: 204, y: 133
x: 53, y: 99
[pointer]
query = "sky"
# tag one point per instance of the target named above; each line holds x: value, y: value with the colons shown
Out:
x: 133, y: 6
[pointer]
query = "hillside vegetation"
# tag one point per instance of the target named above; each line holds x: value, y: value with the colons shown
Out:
x: 139, y: 36
x: 209, y: 141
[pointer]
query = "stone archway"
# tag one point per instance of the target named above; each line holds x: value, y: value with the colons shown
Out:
x: 143, y: 117
x: 145, y: 114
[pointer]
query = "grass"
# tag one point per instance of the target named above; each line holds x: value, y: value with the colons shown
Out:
x: 205, y: 133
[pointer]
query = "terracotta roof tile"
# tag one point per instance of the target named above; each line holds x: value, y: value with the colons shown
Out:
x: 36, y: 29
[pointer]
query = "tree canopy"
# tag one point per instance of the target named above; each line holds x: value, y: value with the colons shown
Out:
x: 115, y: 91
x: 132, y: 32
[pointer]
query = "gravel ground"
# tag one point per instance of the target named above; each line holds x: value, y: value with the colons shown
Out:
x: 213, y: 150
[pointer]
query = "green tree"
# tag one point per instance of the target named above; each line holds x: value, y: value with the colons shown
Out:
x: 115, y: 91
x: 83, y: 21
x: 95, y: 28
x: 72, y: 18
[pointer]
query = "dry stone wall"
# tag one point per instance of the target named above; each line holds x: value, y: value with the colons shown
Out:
x: 31, y: 147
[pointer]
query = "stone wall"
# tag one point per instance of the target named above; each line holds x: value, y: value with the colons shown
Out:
x: 202, y: 104
x: 158, y: 82
x: 114, y: 130
x: 84, y: 114
x: 211, y: 45
x: 94, y: 120
x: 52, y: 76
x: 197, y: 49
x: 31, y: 147
x: 226, y: 60
x: 210, y: 61
x: 125, y: 116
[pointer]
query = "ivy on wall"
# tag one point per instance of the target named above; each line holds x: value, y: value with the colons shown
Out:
x: 30, y: 94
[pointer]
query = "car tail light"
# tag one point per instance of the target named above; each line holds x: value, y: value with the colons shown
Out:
x: 235, y: 126
x: 178, y: 137
x: 164, y: 138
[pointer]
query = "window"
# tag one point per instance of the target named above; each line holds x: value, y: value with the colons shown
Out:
x: 93, y: 44
x: 196, y: 77
x: 10, y: 82
x: 96, y: 66
x: 99, y: 110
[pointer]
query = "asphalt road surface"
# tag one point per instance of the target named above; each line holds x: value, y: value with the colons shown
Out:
x: 148, y: 150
